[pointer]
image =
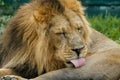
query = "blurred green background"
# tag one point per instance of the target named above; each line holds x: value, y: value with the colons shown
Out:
x: 104, y: 15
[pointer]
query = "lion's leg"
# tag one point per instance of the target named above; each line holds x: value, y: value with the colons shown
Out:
x: 9, y: 74
x: 4, y: 72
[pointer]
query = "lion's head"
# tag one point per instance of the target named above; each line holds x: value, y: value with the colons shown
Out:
x: 66, y: 31
x: 46, y: 34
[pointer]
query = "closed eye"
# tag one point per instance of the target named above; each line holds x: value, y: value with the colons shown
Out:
x: 61, y: 33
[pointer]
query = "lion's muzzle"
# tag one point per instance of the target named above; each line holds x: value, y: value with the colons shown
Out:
x: 77, y: 50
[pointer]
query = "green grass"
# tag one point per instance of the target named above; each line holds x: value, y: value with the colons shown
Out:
x: 3, y: 22
x: 110, y: 26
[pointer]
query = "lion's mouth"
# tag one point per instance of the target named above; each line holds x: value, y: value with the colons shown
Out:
x: 76, y: 62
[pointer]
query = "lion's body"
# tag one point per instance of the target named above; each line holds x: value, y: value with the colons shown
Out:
x: 102, y: 62
x: 45, y: 33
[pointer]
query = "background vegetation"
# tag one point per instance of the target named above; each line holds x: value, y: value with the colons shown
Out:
x: 8, y: 7
x: 110, y: 26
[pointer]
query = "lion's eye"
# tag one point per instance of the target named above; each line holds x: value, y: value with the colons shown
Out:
x: 61, y: 33
x: 79, y: 30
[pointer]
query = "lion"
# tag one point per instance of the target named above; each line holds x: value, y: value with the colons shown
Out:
x: 42, y: 37
x: 47, y: 35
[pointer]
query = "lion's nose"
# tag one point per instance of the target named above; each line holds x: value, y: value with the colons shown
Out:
x: 77, y: 50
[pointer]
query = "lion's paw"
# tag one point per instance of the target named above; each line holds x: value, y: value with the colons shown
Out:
x: 8, y: 77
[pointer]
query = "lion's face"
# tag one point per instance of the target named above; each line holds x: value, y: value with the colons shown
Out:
x: 67, y: 37
x: 63, y: 33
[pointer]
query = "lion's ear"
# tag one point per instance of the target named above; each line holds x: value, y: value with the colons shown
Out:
x: 46, y: 8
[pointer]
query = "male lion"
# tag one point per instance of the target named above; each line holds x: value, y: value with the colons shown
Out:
x: 43, y: 36
x: 47, y: 35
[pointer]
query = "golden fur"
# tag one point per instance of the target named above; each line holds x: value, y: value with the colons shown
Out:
x: 42, y: 36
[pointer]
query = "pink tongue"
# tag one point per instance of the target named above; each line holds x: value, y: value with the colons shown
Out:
x: 78, y: 62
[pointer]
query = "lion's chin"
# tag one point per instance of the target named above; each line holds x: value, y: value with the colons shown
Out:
x: 69, y: 65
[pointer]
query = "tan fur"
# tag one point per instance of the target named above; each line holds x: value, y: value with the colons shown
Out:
x: 42, y: 36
